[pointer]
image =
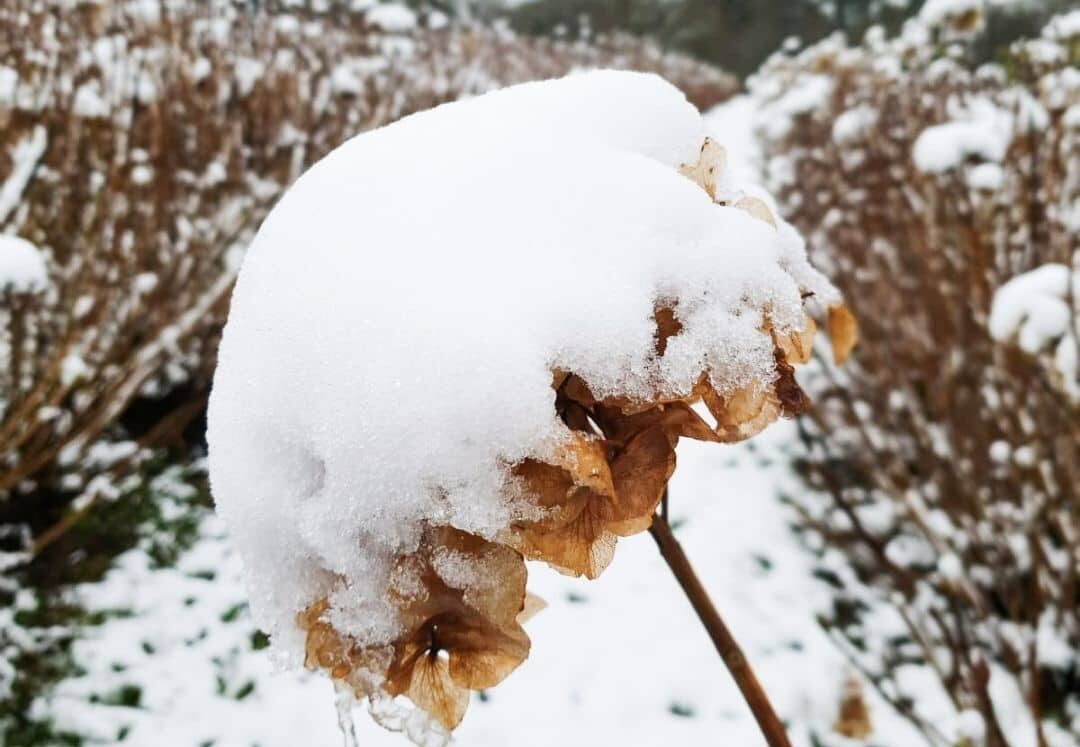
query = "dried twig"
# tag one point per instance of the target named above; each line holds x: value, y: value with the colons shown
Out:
x: 726, y: 646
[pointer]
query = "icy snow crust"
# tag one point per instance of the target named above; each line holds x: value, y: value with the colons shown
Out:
x: 397, y: 319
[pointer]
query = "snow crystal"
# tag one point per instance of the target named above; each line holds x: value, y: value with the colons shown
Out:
x: 22, y: 266
x: 983, y: 131
x: 397, y: 318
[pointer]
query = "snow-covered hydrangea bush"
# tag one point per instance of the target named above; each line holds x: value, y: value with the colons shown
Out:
x: 944, y: 201
x: 473, y: 338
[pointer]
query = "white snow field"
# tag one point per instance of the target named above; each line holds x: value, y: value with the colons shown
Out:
x: 620, y: 660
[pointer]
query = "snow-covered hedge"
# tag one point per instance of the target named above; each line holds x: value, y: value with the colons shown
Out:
x: 944, y: 201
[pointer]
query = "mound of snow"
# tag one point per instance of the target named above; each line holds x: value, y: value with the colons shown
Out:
x: 22, y: 266
x: 397, y: 321
x: 391, y: 18
x: 1037, y: 309
x: 981, y: 131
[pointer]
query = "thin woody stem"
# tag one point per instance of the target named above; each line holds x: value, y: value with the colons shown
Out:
x: 672, y: 552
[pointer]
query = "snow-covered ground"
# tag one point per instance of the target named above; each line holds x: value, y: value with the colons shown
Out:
x: 621, y: 660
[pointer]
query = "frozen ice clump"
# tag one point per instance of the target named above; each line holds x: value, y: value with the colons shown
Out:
x: 426, y: 334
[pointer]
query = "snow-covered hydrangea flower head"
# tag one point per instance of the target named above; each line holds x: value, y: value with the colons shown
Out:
x: 473, y: 338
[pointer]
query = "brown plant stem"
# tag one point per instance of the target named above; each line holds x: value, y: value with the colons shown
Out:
x: 672, y: 552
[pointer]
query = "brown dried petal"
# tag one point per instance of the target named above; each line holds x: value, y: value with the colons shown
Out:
x: 853, y: 720
x: 798, y: 346
x: 433, y: 690
x: 579, y: 545
x: 573, y: 388
x: 843, y: 332
x: 675, y: 418
x: 577, y: 493
x: 499, y: 599
x: 481, y: 654
x: 455, y: 639
x: 743, y: 413
x: 793, y: 400
x: 641, y: 472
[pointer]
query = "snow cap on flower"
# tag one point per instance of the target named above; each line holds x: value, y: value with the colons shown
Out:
x: 474, y: 337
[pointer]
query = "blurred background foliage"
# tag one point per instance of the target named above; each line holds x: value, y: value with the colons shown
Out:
x: 738, y: 35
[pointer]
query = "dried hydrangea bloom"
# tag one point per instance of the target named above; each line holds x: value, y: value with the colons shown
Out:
x: 476, y: 336
x: 609, y: 480
x: 460, y: 599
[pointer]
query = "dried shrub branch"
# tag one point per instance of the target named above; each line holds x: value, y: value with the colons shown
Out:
x: 949, y: 462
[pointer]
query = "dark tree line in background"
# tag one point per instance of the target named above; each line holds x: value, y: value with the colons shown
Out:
x: 739, y: 34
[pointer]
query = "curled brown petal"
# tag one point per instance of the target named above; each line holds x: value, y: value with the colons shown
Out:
x: 743, y: 413
x: 434, y: 691
x: 641, y: 471
x: 578, y: 545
